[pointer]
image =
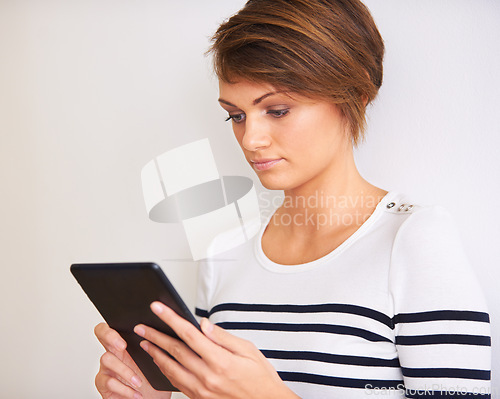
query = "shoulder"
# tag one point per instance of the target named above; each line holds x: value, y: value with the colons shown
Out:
x: 428, y: 262
x: 416, y: 224
x: 405, y: 208
x: 428, y: 225
x: 424, y: 233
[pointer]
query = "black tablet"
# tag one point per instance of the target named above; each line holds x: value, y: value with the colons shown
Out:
x: 122, y: 293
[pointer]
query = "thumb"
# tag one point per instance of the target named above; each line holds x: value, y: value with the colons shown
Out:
x: 223, y: 338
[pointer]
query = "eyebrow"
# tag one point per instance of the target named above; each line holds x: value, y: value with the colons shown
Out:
x: 255, y: 102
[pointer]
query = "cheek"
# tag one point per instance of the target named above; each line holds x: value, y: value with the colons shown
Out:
x: 303, y: 135
x: 315, y: 137
x: 294, y: 133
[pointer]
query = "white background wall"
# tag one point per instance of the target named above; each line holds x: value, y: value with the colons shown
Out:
x: 90, y: 90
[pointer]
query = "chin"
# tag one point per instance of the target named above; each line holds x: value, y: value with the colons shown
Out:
x: 275, y: 183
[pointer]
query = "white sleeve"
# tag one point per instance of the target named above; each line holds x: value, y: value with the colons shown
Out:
x: 441, y: 320
x: 203, y: 289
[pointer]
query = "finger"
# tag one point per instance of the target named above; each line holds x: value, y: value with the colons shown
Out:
x: 227, y: 340
x: 176, y: 348
x: 109, y: 338
x: 110, y: 387
x: 111, y: 363
x: 113, y: 342
x: 188, y: 333
x: 176, y: 373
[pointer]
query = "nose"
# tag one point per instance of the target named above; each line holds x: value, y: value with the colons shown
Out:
x: 256, y: 134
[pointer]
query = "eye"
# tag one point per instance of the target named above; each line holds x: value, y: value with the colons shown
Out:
x: 236, y: 118
x: 278, y: 113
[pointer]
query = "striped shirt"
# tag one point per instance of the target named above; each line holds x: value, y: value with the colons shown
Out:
x: 394, y: 310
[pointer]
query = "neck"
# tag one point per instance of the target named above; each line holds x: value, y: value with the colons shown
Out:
x: 326, y: 202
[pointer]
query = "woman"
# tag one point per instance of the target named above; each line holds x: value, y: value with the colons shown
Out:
x: 349, y: 289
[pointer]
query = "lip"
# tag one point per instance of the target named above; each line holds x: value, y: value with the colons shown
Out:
x: 264, y: 164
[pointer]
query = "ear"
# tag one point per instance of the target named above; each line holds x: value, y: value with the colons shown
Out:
x: 364, y: 98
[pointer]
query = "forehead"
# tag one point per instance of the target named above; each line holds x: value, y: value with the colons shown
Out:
x: 247, y: 86
x: 243, y: 92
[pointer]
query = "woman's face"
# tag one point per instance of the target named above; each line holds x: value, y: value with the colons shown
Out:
x: 288, y: 139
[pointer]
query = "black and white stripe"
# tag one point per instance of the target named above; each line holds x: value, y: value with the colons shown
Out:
x: 314, y: 308
x: 259, y: 322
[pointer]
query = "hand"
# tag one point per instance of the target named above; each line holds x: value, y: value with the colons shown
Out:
x: 118, y: 376
x: 212, y: 364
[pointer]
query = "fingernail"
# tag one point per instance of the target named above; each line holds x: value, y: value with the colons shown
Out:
x: 139, y: 330
x: 144, y: 345
x: 137, y: 395
x: 157, y: 307
x: 206, y: 326
x: 120, y: 345
x: 136, y: 381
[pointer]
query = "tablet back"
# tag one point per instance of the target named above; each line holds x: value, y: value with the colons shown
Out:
x: 122, y: 293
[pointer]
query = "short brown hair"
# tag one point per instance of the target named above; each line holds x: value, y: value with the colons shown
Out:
x: 330, y: 49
